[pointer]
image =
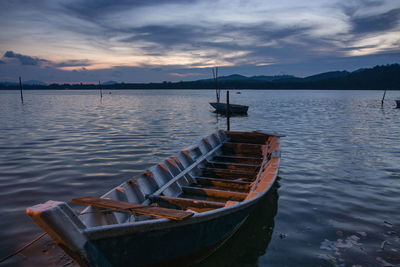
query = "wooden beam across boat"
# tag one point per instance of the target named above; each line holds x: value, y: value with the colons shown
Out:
x: 187, y: 170
x: 237, y: 159
x: 246, y: 137
x: 243, y: 185
x: 187, y: 203
x: 228, y: 174
x: 215, y: 193
x: 234, y: 166
x: 134, y: 208
x: 243, y: 149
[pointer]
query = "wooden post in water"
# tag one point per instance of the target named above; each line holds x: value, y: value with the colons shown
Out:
x: 20, y: 89
x: 217, y: 91
x: 101, y: 92
x: 383, y: 98
x: 228, y: 112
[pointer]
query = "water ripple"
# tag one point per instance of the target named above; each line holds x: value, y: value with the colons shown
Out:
x: 339, y: 170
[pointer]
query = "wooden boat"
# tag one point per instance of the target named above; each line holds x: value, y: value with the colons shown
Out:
x: 233, y: 108
x: 222, y: 107
x: 189, y: 203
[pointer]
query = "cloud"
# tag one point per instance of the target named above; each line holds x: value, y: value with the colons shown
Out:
x: 350, y: 8
x: 98, y: 11
x: 376, y: 23
x: 177, y: 74
x: 73, y: 63
x: 23, y: 59
x: 155, y: 38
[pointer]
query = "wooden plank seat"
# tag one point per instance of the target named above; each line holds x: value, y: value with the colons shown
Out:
x: 244, y: 146
x: 242, y: 149
x: 215, y: 193
x: 224, y: 183
x: 187, y: 203
x: 134, y: 208
x: 228, y: 174
x: 234, y: 166
x: 237, y: 159
x: 245, y: 137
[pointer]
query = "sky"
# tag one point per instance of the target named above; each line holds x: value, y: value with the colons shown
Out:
x: 71, y: 41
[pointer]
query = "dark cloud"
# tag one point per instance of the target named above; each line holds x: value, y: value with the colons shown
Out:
x: 268, y: 41
x: 73, y: 63
x: 351, y: 7
x: 94, y: 10
x: 376, y: 23
x: 167, y: 36
x: 34, y: 61
x: 23, y: 59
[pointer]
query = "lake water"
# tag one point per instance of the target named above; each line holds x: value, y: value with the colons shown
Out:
x: 336, y: 202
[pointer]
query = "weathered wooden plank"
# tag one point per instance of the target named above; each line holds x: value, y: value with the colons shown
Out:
x: 215, y: 193
x: 248, y: 146
x: 133, y: 207
x: 246, y: 137
x: 242, y: 150
x: 228, y: 174
x: 187, y: 170
x: 239, y: 153
x: 237, y: 159
x: 187, y: 203
x: 234, y: 166
x: 243, y: 185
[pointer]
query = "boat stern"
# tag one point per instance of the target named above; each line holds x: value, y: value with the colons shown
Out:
x: 60, y: 222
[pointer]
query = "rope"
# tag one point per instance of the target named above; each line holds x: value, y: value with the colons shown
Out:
x: 23, y: 248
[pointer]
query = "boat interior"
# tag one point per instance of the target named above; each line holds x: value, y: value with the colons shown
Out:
x: 224, y: 169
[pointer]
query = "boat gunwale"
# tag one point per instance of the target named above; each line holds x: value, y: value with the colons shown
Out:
x: 233, y: 105
x: 98, y: 232
x: 164, y: 223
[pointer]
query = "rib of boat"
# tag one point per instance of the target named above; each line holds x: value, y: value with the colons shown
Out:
x: 233, y: 108
x: 186, y: 204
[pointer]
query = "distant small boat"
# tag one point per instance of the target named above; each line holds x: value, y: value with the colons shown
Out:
x: 182, y: 207
x: 397, y: 103
x: 221, y: 107
x: 233, y: 108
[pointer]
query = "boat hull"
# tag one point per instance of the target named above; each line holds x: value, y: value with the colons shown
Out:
x: 233, y: 108
x: 166, y: 245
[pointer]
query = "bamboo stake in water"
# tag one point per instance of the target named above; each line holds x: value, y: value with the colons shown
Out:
x: 228, y: 124
x: 383, y: 98
x: 215, y: 75
x: 20, y: 88
x: 101, y: 92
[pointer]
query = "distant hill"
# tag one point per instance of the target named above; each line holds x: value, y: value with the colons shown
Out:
x: 327, y: 75
x: 29, y: 82
x: 376, y: 78
x: 109, y: 83
x: 233, y: 77
x: 272, y: 78
x: 34, y: 82
x: 7, y: 83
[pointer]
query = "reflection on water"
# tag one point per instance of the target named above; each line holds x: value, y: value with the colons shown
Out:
x: 252, y: 239
x: 339, y: 193
x: 223, y: 115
